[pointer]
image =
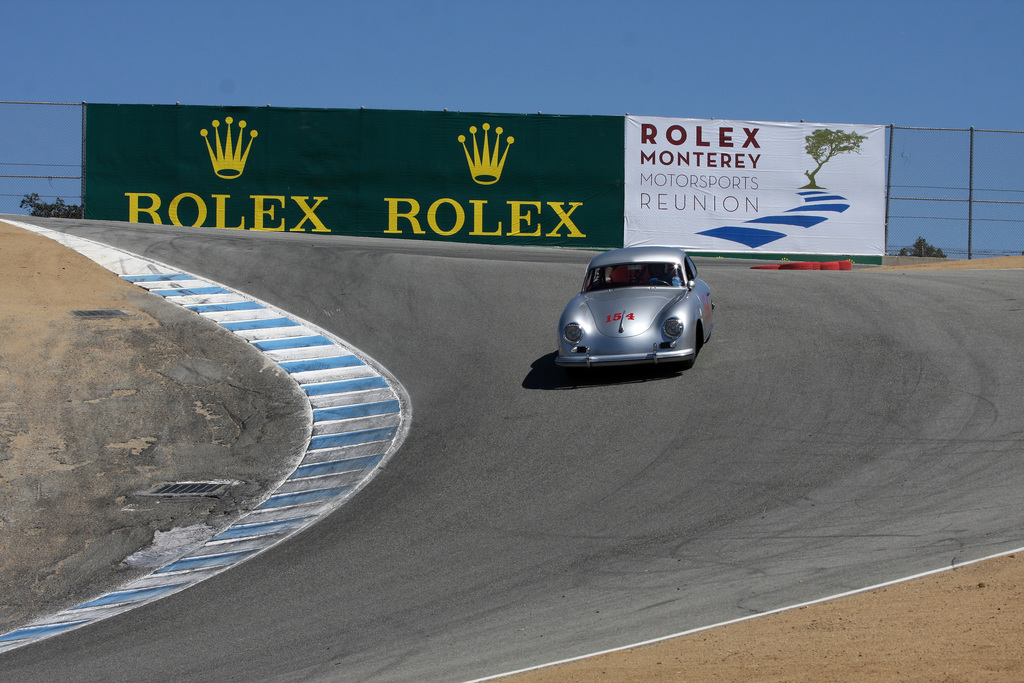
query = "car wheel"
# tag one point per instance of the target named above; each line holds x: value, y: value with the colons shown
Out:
x: 698, y: 343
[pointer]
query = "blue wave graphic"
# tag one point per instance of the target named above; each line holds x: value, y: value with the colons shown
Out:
x: 754, y: 237
x: 798, y: 221
x: 838, y: 208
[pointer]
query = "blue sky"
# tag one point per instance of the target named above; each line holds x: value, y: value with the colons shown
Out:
x: 911, y: 63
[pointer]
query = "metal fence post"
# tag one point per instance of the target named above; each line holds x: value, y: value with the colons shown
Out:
x: 888, y: 187
x: 83, y: 159
x: 970, y: 202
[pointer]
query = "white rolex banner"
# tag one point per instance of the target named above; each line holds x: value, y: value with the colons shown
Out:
x: 753, y: 186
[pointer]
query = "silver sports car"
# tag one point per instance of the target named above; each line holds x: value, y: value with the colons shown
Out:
x: 638, y: 305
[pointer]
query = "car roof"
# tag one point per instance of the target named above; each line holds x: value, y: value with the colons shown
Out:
x: 638, y: 255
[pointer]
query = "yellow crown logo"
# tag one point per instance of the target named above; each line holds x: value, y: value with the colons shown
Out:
x: 486, y: 167
x: 228, y: 160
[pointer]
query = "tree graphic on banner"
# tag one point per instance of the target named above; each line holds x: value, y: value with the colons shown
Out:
x: 824, y: 144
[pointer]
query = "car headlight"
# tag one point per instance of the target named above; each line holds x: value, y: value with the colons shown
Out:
x: 673, y: 328
x: 572, y: 333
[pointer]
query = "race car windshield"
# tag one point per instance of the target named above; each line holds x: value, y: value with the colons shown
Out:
x: 634, y: 275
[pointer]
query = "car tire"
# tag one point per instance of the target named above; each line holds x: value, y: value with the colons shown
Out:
x: 698, y: 344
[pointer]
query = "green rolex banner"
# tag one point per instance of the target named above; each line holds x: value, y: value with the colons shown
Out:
x: 486, y: 178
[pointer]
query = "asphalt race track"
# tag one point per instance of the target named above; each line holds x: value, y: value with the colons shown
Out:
x: 840, y: 429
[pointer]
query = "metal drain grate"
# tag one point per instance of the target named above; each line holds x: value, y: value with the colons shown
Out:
x: 190, y: 488
x: 101, y: 313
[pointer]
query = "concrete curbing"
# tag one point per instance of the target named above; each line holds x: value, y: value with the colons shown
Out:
x: 359, y: 417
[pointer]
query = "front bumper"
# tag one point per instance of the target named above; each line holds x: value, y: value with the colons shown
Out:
x: 587, y: 359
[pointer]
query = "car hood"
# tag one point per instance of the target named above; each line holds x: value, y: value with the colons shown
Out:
x: 629, y: 312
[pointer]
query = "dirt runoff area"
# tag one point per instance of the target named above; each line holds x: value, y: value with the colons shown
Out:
x: 997, y: 263
x: 964, y: 624
x: 96, y: 412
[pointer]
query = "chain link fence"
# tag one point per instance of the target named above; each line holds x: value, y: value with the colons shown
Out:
x: 41, y: 152
x: 960, y: 190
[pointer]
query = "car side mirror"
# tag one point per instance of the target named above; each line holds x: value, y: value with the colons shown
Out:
x: 691, y: 284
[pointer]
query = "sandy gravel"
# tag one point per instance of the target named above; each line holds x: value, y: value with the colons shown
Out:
x: 960, y: 625
x: 94, y: 412
x: 998, y: 263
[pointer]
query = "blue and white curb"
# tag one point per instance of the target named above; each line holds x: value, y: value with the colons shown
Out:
x: 359, y: 416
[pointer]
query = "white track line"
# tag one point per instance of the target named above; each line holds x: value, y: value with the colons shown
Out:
x: 747, y: 618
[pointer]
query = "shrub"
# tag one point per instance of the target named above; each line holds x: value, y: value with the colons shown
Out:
x: 57, y: 209
x: 922, y: 248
